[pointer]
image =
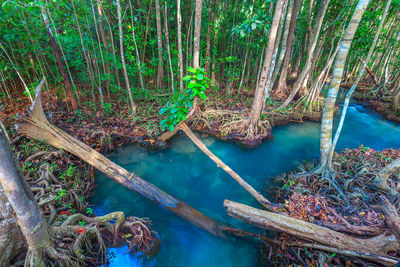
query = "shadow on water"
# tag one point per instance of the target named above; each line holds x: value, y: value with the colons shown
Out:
x: 185, y: 172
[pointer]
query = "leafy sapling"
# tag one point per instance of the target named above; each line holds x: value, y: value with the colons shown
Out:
x: 197, y: 84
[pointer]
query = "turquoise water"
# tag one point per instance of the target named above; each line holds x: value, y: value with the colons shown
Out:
x: 185, y: 172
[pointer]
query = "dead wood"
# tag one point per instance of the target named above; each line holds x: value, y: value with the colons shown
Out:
x: 260, y: 198
x: 379, y: 245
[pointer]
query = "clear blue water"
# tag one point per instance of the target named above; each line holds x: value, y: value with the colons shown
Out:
x: 186, y: 173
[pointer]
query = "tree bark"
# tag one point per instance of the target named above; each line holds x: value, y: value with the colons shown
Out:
x: 121, y: 45
x: 208, y: 49
x: 281, y: 89
x: 136, y: 49
x: 160, y: 71
x: 260, y: 198
x: 306, y: 70
x: 354, y: 86
x: 329, y: 109
x: 180, y: 55
x: 30, y: 219
x: 378, y: 245
x: 168, y: 49
x: 59, y: 60
x: 197, y: 32
x: 258, y: 104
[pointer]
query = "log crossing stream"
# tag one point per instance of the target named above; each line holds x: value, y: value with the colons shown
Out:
x: 184, y: 171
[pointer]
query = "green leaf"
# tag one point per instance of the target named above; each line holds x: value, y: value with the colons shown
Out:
x: 187, y: 78
x: 192, y: 84
x: 162, y: 111
x: 171, y: 128
x: 253, y: 26
x: 190, y: 69
x: 199, y: 76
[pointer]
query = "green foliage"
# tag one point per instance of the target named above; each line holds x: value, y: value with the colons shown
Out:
x: 107, y: 107
x: 68, y: 173
x: 197, y: 84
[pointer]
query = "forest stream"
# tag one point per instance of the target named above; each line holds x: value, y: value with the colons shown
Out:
x: 185, y: 172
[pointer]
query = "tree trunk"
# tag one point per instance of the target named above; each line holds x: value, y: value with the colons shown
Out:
x: 284, y: 42
x: 269, y: 82
x: 306, y: 70
x: 136, y: 48
x: 180, y: 55
x: 258, y: 102
x: 377, y: 246
x: 208, y: 49
x: 59, y: 60
x: 329, y: 109
x: 30, y: 219
x: 168, y: 49
x: 197, y: 32
x: 354, y: 86
x: 281, y: 90
x: 260, y: 198
x: 121, y: 45
x: 160, y: 71
x: 105, y: 68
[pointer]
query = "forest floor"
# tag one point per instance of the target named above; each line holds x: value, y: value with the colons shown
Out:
x: 309, y: 197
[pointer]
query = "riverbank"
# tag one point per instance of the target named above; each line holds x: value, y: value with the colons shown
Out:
x: 113, y: 125
x: 359, y: 212
x: 378, y: 101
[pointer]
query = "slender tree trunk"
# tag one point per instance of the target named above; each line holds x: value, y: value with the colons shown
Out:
x: 258, y: 103
x: 59, y: 60
x: 354, y: 86
x: 136, y: 49
x: 121, y: 46
x: 329, y: 109
x: 306, y: 70
x: 208, y: 49
x: 168, y: 49
x: 160, y: 71
x: 269, y: 82
x: 113, y: 51
x: 19, y: 75
x: 105, y: 44
x: 180, y: 55
x: 105, y: 70
x: 197, y: 32
x: 281, y: 90
x: 284, y: 43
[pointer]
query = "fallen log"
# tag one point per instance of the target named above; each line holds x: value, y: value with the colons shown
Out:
x: 379, y: 245
x: 35, y: 125
x: 260, y: 198
x: 392, y: 218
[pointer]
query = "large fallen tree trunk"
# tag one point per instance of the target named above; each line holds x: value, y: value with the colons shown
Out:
x: 377, y: 246
x: 35, y: 125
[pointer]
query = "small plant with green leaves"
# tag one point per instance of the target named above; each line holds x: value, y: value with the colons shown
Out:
x: 61, y: 193
x: 68, y: 173
x: 89, y: 211
x: 107, y: 107
x: 197, y: 84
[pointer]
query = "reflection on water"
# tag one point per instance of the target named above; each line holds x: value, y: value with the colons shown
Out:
x: 185, y: 172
